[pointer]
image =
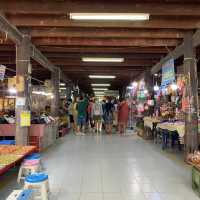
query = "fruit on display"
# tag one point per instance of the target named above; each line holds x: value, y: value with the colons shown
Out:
x: 23, y: 150
x: 8, y: 159
x: 7, y: 149
x: 14, y: 149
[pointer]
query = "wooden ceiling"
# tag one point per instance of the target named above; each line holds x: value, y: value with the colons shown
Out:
x: 64, y: 42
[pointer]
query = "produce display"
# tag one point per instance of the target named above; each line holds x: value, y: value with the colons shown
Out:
x: 8, y: 159
x: 10, y: 154
x: 21, y: 150
x: 15, y: 150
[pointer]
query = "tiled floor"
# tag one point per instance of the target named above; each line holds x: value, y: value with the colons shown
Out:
x: 115, y: 168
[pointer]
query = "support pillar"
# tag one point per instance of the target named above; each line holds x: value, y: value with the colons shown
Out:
x: 23, y: 70
x: 191, y: 116
x: 55, y: 78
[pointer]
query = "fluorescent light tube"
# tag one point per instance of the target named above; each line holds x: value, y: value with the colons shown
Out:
x: 100, y: 84
x: 62, y: 84
x: 110, y: 16
x: 63, y: 88
x: 100, y: 89
x: 96, y: 59
x: 102, y: 76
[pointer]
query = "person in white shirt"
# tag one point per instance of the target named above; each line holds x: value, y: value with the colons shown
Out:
x: 97, y: 113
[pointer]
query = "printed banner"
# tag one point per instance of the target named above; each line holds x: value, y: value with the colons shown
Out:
x: 2, y: 72
x: 168, y: 74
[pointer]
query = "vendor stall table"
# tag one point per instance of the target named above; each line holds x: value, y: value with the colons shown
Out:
x: 173, y: 130
x: 10, y: 155
x: 150, y: 124
x: 149, y: 121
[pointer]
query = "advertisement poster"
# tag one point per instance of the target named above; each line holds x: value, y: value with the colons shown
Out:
x: 168, y: 74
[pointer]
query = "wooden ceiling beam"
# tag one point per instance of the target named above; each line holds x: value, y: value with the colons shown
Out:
x: 139, y: 42
x: 106, y: 33
x: 62, y: 21
x: 82, y: 49
x: 78, y: 56
x: 64, y: 7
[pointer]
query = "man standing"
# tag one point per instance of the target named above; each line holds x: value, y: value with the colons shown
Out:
x: 82, y: 114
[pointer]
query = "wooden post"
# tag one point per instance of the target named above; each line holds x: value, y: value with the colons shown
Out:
x: 55, y: 78
x: 191, y: 117
x: 23, y: 68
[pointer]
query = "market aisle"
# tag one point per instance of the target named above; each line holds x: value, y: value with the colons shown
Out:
x: 115, y: 168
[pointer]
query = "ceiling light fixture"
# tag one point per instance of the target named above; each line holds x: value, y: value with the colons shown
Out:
x: 110, y: 16
x: 98, y: 59
x: 12, y: 90
x: 62, y: 84
x: 100, y: 89
x: 99, y: 92
x: 100, y: 84
x: 102, y: 76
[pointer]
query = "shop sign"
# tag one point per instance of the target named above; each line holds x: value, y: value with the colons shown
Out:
x: 25, y: 118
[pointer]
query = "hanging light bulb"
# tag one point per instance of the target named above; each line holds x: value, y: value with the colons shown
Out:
x: 174, y: 87
x: 135, y: 84
x: 156, y: 88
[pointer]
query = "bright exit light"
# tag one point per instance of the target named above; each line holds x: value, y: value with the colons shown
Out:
x: 98, y: 59
x: 100, y: 89
x: 110, y: 16
x: 100, y: 84
x: 102, y: 76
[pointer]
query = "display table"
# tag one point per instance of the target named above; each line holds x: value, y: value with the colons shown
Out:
x: 7, y: 129
x: 40, y: 135
x: 149, y: 121
x: 150, y: 127
x: 176, y: 126
x: 10, y: 155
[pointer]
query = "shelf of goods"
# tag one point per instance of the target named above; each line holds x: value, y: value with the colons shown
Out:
x: 40, y: 135
x: 10, y: 155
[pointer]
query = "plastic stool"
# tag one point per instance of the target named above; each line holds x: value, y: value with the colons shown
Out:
x: 33, y: 156
x: 14, y: 195
x: 39, y: 183
x: 28, y: 168
x: 26, y: 195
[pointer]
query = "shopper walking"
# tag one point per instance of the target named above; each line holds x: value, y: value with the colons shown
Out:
x: 123, y: 114
x: 71, y: 118
x: 97, y: 113
x: 82, y: 114
x: 91, y: 120
x: 108, y: 115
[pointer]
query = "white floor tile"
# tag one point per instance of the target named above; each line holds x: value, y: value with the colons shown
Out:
x: 112, y: 168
